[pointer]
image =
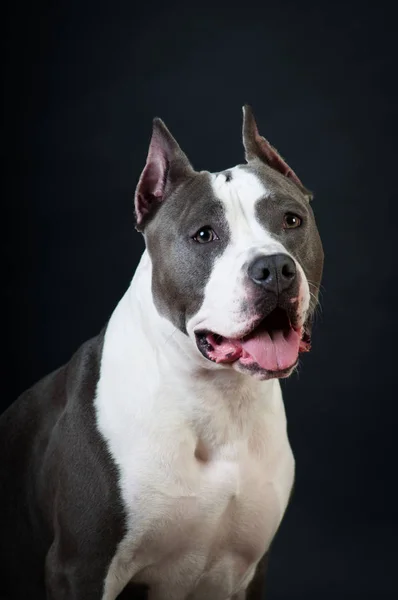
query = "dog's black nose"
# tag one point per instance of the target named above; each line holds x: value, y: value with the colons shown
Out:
x: 275, y: 273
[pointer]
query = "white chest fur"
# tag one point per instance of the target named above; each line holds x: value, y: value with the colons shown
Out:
x: 205, y: 465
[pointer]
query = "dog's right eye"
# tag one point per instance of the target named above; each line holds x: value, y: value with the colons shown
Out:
x: 205, y: 235
x: 291, y: 221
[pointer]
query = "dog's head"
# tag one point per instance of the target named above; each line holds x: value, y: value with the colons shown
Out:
x: 236, y: 255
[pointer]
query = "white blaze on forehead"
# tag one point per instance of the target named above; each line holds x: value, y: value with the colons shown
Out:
x: 238, y: 183
x: 239, y: 191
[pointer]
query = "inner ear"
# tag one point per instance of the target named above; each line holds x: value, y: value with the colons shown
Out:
x: 166, y: 163
x: 256, y: 146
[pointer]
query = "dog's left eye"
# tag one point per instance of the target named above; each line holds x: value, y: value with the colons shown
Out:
x: 291, y: 221
x: 205, y: 235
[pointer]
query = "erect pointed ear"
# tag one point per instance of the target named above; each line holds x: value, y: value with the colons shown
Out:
x: 166, y: 163
x: 257, y: 146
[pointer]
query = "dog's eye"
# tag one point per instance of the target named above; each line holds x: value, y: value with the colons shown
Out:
x: 205, y: 235
x: 291, y: 221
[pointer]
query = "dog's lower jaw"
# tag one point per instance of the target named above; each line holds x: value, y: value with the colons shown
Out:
x: 256, y: 372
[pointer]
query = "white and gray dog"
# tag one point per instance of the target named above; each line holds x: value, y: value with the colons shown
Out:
x: 156, y: 463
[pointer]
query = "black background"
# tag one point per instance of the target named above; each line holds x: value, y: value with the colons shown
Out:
x: 83, y: 81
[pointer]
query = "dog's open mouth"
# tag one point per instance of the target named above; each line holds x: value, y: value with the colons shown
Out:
x: 273, y: 345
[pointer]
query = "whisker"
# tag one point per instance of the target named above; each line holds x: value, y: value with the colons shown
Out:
x: 317, y: 284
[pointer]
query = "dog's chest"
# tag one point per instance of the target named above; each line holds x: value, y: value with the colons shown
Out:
x: 200, y: 517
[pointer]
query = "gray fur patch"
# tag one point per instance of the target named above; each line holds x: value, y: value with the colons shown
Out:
x: 182, y: 266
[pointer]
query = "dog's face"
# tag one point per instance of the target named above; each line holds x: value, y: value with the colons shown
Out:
x: 236, y: 256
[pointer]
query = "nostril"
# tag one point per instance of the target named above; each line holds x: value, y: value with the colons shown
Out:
x: 260, y: 271
x: 288, y: 271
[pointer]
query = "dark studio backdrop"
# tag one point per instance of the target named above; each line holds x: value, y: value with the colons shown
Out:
x: 82, y: 82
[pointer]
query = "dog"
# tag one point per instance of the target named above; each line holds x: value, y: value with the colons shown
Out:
x: 156, y: 463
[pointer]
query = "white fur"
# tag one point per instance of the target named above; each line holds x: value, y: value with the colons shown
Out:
x: 196, y: 525
x: 226, y: 294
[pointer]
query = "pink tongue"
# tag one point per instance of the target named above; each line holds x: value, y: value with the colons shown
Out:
x: 273, y: 354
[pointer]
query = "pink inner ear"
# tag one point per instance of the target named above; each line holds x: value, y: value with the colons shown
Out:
x: 275, y: 160
x: 150, y: 188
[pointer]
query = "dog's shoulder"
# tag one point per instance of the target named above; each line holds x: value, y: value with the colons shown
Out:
x: 54, y: 417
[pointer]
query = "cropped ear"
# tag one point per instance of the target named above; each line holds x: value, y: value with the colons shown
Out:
x: 257, y: 146
x: 166, y: 163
